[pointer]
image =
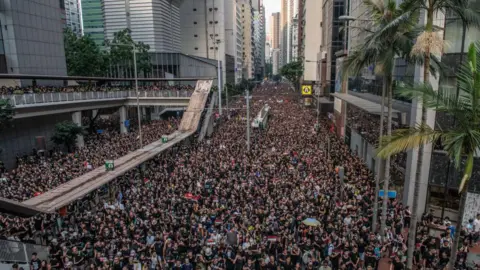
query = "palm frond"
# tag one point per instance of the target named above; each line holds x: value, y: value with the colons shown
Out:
x: 406, y: 139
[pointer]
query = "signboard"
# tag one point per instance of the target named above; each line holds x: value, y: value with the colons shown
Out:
x: 164, y: 139
x: 306, y: 90
x: 109, y: 165
x: 126, y: 123
x: 392, y: 194
x: 308, y: 101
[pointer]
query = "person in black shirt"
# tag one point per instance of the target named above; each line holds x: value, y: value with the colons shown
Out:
x: 397, y: 264
x: 35, y: 262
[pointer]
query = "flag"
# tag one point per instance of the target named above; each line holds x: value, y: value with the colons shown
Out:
x: 218, y: 221
x: 210, y: 242
x: 332, y: 128
x: 272, y: 238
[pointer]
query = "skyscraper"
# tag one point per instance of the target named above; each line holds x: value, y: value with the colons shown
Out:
x: 72, y: 16
x: 276, y: 35
x: 92, y: 20
x: 153, y: 22
x: 31, y: 38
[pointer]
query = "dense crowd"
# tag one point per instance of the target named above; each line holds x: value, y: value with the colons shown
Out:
x: 4, y: 90
x: 214, y: 205
x: 36, y: 173
x: 368, y: 126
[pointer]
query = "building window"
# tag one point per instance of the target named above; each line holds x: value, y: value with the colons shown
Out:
x: 194, y: 22
x: 195, y: 35
x: 196, y: 48
x: 211, y: 22
x: 211, y: 48
x: 194, y: 9
x: 216, y: 22
x: 210, y: 9
x: 215, y: 9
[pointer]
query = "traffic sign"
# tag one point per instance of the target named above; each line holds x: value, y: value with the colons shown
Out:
x: 392, y: 194
x: 109, y: 165
x: 306, y: 90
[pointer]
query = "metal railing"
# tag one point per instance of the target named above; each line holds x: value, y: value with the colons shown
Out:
x: 19, y: 252
x: 45, y: 98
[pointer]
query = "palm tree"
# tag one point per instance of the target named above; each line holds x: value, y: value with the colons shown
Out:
x: 392, y: 34
x: 461, y: 140
x: 430, y: 42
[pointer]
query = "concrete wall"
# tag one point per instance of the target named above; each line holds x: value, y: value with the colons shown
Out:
x: 364, y: 150
x: 20, y: 138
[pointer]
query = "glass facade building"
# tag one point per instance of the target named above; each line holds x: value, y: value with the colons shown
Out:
x: 92, y: 20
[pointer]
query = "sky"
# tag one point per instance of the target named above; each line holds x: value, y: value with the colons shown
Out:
x: 271, y: 6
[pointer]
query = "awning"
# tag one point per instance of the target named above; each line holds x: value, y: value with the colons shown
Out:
x: 366, y: 105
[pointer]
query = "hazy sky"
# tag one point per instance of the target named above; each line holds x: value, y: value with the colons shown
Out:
x: 270, y: 7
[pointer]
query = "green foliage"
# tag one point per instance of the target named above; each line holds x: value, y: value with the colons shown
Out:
x: 84, y: 57
x: 293, y: 71
x: 7, y: 112
x: 66, y: 134
x: 459, y: 141
x: 121, y: 51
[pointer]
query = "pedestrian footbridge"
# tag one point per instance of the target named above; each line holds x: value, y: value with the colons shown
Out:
x: 38, y: 104
x: 77, y: 188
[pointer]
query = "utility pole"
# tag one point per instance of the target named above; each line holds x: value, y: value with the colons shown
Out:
x: 247, y: 96
x: 226, y: 98
x: 138, y: 94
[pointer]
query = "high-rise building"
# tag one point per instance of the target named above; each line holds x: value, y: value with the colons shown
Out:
x: 31, y: 38
x: 312, y: 40
x: 203, y: 25
x: 259, y: 40
x: 301, y: 25
x: 332, y: 41
x: 92, y: 20
x: 153, y: 22
x: 289, y: 10
x: 233, y: 40
x: 248, y: 38
x: 276, y: 36
x: 73, y: 16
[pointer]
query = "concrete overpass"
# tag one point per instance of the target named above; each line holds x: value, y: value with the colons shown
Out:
x: 77, y: 188
x: 29, y: 105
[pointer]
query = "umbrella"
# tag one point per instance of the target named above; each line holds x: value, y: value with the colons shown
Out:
x: 311, y: 222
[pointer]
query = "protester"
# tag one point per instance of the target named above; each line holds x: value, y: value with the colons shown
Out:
x: 215, y: 205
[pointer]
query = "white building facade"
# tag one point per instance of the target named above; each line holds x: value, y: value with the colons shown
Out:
x: 153, y: 22
x: 73, y: 15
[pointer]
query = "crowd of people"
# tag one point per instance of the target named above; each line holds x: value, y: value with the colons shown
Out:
x: 37, y: 173
x: 17, y: 90
x: 368, y: 126
x: 215, y: 205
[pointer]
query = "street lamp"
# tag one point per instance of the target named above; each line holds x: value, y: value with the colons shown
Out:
x: 136, y: 89
x: 219, y: 72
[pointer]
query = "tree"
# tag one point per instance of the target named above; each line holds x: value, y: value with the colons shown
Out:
x: 461, y: 140
x: 7, y: 112
x: 84, y: 57
x: 392, y: 34
x: 430, y: 42
x: 293, y: 71
x: 66, y: 133
x: 121, y: 50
